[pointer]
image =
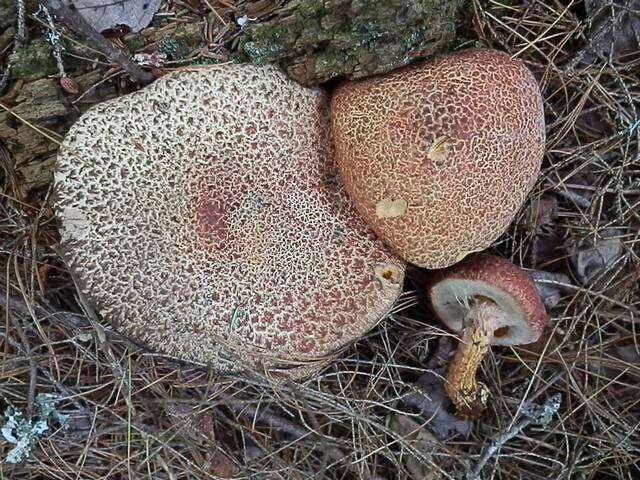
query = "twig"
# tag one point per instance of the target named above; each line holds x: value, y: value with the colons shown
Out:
x: 536, y: 415
x: 18, y: 40
x: 86, y: 32
x: 277, y: 422
x: 45, y: 310
x: 54, y: 39
x: 34, y: 365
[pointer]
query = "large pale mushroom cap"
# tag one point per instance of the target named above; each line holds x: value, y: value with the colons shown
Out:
x: 438, y: 157
x: 204, y: 218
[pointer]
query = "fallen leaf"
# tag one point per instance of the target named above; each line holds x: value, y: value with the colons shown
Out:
x: 541, y: 225
x: 432, y: 402
x: 80, y: 425
x: 135, y: 14
x: 69, y: 85
x: 541, y: 214
x: 252, y: 452
x: 221, y: 466
x: 421, y: 439
x: 191, y: 422
x: 615, y: 28
x: 629, y: 353
x: 443, y: 354
x: 593, y: 257
x: 550, y: 286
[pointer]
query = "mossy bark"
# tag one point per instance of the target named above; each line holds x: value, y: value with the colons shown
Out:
x: 7, y: 13
x: 36, y: 96
x: 317, y: 40
x: 33, y: 61
x: 313, y: 40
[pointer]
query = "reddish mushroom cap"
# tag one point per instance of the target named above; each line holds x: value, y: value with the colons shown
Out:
x: 453, y: 291
x: 438, y: 157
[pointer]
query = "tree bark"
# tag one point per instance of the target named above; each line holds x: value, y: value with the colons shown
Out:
x: 35, y: 95
x: 317, y: 40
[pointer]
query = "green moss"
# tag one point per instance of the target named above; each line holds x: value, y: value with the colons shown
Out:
x: 431, y: 7
x: 313, y: 8
x: 265, y: 43
x: 134, y: 42
x: 270, y: 33
x: 188, y: 37
x: 239, y: 56
x: 7, y: 13
x: 34, y: 60
x: 329, y: 38
x: 329, y: 61
x: 177, y: 43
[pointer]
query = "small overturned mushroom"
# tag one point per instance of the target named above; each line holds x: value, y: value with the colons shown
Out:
x: 491, y: 302
x: 438, y: 157
x: 203, y: 219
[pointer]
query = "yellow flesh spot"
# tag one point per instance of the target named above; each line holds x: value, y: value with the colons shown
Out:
x: 390, y: 208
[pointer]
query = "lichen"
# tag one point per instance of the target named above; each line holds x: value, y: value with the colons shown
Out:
x: 321, y: 40
x: 24, y: 433
x: 7, y: 13
x: 34, y: 60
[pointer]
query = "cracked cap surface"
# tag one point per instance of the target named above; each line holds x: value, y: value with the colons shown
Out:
x: 453, y: 144
x: 204, y: 218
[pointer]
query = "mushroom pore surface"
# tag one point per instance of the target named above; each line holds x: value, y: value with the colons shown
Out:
x: 204, y: 217
x: 438, y: 157
x: 506, y: 289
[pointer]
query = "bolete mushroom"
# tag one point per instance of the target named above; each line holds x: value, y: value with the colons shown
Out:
x: 203, y: 217
x: 491, y: 302
x: 438, y: 157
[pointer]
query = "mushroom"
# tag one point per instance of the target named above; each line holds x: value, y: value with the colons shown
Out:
x: 203, y: 217
x: 438, y: 157
x: 491, y: 302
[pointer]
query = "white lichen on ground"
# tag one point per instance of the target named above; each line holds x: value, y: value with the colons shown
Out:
x: 24, y: 433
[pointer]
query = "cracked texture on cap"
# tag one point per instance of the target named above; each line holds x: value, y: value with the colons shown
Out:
x: 457, y: 141
x: 452, y: 291
x: 204, y: 218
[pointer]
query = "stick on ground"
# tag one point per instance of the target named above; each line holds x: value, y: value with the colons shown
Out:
x: 71, y: 19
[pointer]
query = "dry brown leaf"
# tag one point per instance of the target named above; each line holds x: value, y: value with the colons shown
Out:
x: 221, y: 465
x: 550, y: 286
x: 432, y: 402
x: 69, y: 85
x: 542, y: 213
x: 593, y: 257
x: 629, y: 353
x: 417, y: 434
x: 615, y: 27
x: 135, y: 14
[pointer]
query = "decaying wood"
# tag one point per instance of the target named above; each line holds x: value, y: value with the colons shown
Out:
x: 317, y: 40
x: 35, y: 96
x: 313, y: 40
x: 42, y: 102
x: 71, y: 19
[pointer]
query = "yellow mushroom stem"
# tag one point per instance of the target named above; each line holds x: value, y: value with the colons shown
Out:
x: 469, y: 396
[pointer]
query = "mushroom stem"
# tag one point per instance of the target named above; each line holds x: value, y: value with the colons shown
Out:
x: 469, y: 396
